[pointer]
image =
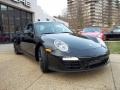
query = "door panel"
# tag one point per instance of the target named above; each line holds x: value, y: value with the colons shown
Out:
x: 28, y: 42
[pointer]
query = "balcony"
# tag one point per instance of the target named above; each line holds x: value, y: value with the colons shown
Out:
x: 91, y: 1
x: 70, y: 1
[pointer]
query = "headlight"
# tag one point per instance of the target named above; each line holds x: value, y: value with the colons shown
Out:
x: 101, y: 42
x: 62, y: 46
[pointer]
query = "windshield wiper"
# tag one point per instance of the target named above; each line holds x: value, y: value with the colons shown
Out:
x: 65, y: 32
x: 56, y: 33
x: 47, y: 33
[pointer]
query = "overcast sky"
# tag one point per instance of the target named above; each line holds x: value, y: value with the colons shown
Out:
x: 53, y: 7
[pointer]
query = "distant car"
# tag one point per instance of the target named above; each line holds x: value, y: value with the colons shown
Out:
x: 93, y: 31
x: 57, y: 48
x: 114, y: 34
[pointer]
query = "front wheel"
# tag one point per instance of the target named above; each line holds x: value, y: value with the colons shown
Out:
x: 43, y: 60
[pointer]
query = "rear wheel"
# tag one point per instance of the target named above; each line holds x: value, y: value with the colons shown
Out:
x: 43, y: 60
x: 17, y: 47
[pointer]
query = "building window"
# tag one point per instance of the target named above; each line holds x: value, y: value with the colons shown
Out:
x: 3, y: 7
x: 12, y: 19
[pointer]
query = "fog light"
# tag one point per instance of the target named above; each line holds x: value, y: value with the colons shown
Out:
x: 70, y: 59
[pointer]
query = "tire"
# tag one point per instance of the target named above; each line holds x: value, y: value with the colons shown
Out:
x: 43, y: 61
x: 17, y: 48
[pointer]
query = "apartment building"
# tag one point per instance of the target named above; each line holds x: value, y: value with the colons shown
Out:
x: 103, y: 13
x: 73, y: 13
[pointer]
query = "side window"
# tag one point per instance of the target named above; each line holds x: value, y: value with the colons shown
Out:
x: 30, y: 27
x: 28, y: 30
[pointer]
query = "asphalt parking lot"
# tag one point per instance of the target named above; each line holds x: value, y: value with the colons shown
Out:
x: 20, y: 72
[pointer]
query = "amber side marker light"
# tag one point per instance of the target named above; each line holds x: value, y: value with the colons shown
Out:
x: 48, y: 50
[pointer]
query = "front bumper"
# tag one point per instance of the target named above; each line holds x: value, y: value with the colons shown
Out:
x: 84, y: 64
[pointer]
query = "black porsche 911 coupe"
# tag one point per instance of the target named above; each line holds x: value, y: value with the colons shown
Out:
x: 57, y: 48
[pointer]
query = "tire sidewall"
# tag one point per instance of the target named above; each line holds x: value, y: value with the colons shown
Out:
x: 44, y: 61
x: 17, y: 47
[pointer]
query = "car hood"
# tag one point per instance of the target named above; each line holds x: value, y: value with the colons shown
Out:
x: 74, y: 42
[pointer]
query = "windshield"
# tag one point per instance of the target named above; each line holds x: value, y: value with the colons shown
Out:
x: 92, y: 29
x: 116, y: 29
x: 51, y: 28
